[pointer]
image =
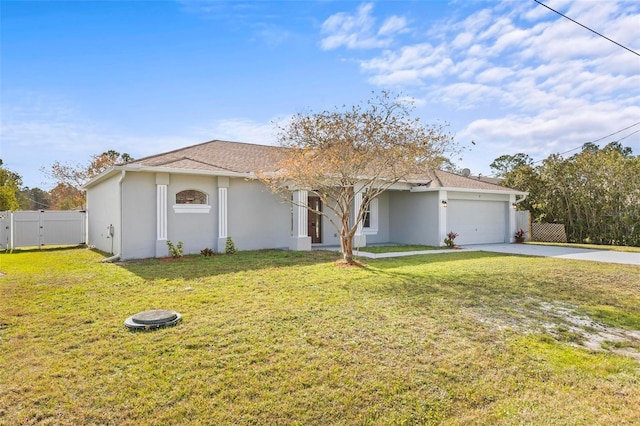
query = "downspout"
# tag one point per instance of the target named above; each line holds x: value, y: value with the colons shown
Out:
x: 524, y: 197
x: 116, y: 256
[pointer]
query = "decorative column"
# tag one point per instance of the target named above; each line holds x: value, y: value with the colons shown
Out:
x: 511, y: 215
x: 300, y: 240
x: 359, y: 239
x: 442, y: 216
x: 223, y: 225
x: 162, y: 184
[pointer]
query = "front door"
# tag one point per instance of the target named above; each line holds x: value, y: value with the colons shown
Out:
x: 314, y: 223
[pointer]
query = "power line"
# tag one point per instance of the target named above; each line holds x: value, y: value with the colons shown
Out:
x: 584, y: 26
x: 630, y: 134
x: 594, y: 141
x: 598, y: 140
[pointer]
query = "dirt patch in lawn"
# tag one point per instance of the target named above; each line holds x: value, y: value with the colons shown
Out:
x: 565, y: 323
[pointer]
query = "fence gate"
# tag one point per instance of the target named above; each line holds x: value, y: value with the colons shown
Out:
x: 44, y: 227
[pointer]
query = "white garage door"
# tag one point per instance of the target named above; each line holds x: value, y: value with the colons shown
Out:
x: 477, y: 222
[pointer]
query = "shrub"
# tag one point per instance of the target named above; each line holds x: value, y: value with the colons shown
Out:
x: 449, y: 241
x: 207, y: 252
x: 230, y: 248
x: 175, y: 250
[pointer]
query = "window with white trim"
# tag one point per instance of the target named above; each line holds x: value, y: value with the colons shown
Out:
x: 370, y: 218
x: 191, y: 201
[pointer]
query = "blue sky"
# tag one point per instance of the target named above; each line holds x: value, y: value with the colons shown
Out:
x: 82, y: 77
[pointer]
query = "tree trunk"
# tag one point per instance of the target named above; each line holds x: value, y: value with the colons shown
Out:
x: 346, y: 244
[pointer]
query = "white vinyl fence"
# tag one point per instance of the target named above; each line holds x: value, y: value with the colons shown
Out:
x: 43, y: 227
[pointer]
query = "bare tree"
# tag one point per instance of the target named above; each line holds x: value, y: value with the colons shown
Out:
x: 358, y: 151
x: 66, y: 195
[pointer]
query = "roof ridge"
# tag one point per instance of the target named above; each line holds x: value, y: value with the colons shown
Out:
x: 174, y: 151
x: 209, y: 164
x: 471, y: 179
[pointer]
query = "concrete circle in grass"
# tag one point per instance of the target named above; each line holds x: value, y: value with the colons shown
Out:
x: 155, y: 318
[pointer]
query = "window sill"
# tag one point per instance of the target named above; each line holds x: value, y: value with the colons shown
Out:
x: 370, y: 231
x: 191, y: 208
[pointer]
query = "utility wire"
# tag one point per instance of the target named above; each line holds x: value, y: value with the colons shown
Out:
x: 598, y: 140
x: 584, y: 26
x: 594, y: 141
x: 630, y: 134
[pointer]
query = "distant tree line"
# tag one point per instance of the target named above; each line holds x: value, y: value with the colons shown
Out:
x: 65, y: 195
x: 594, y: 193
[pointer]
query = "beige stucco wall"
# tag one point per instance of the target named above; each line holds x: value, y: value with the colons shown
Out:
x: 413, y: 217
x: 257, y: 219
x: 138, y: 215
x: 103, y: 209
x: 196, y: 230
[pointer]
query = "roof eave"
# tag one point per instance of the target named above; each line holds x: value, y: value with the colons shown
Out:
x: 155, y: 169
x: 506, y: 191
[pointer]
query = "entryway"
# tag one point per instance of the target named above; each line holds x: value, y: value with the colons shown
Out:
x: 314, y: 223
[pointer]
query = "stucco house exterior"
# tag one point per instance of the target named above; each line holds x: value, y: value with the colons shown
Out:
x: 203, y: 193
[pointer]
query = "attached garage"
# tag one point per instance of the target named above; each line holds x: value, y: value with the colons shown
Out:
x: 478, y: 221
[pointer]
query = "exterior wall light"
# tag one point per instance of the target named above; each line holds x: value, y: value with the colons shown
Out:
x: 444, y: 203
x: 513, y: 206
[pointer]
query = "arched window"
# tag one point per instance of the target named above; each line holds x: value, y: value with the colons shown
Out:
x: 191, y: 201
x: 191, y: 196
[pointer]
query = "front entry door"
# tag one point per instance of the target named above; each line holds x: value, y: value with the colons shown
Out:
x: 314, y: 223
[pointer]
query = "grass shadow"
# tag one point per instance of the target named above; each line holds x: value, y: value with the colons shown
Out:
x: 195, y: 266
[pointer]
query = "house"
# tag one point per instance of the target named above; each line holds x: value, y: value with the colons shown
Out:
x: 203, y: 193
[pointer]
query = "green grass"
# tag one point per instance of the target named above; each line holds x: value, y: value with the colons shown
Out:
x: 275, y: 337
x: 628, y: 249
x: 398, y: 248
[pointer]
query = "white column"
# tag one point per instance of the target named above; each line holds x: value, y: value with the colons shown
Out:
x: 162, y: 234
x: 442, y: 215
x: 300, y: 240
x: 161, y: 212
x: 511, y: 215
x: 222, y: 213
x: 300, y: 200
x: 359, y: 240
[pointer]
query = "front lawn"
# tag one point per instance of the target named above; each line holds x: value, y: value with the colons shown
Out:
x: 628, y: 249
x: 276, y: 337
x: 398, y: 248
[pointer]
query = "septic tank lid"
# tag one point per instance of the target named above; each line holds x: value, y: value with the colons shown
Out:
x: 155, y: 318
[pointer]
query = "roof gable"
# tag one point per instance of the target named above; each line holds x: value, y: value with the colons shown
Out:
x: 216, y: 156
x: 221, y: 157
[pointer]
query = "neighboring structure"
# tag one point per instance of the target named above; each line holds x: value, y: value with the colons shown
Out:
x: 203, y: 193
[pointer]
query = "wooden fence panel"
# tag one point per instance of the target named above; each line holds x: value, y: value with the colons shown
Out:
x: 548, y: 232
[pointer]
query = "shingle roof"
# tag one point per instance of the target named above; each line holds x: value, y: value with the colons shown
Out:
x: 217, y: 156
x: 442, y: 179
x: 238, y: 157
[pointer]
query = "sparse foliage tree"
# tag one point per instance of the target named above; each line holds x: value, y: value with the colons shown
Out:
x: 363, y: 149
x: 34, y: 199
x: 505, y: 164
x: 594, y: 193
x: 67, y: 195
x: 9, y: 189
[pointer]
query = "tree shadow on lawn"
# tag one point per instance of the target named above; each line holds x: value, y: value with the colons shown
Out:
x: 190, y: 267
x: 421, y: 277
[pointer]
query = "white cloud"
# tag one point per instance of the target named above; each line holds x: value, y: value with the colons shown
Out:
x: 357, y: 31
x: 38, y: 130
x: 523, y: 75
x: 393, y: 24
x: 565, y: 127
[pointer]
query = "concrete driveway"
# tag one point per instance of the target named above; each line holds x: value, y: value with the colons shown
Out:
x: 608, y: 256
